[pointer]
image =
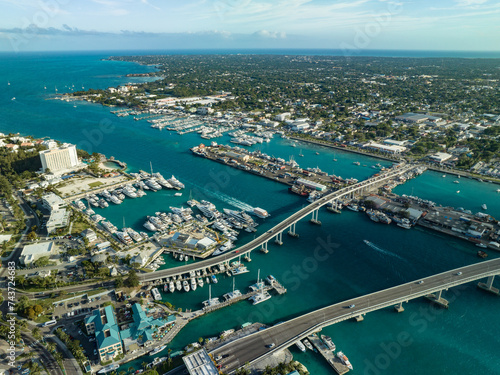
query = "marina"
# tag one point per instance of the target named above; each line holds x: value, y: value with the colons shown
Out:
x: 421, y: 244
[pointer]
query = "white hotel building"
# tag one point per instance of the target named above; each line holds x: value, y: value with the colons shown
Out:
x: 59, y: 159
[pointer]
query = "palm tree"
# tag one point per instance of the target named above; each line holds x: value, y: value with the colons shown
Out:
x: 144, y: 365
x: 35, y: 368
x: 51, y: 347
x: 36, y: 333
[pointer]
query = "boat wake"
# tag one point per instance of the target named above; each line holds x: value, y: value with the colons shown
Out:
x: 382, y: 251
x: 230, y: 200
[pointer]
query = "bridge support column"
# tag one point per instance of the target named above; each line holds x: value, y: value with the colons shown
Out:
x: 359, y: 318
x: 334, y: 206
x: 315, y: 216
x: 437, y: 299
x: 399, y: 308
x: 489, y: 286
x: 279, y: 239
x: 291, y: 231
x: 264, y: 248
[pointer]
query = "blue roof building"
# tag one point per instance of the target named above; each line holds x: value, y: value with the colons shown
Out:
x: 143, y: 327
x: 102, y: 323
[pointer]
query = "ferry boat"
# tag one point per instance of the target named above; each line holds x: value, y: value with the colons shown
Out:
x: 108, y: 368
x: 156, y: 294
x: 301, y: 346
x: 157, y: 350
x: 328, y: 342
x: 344, y: 360
x: 259, y: 212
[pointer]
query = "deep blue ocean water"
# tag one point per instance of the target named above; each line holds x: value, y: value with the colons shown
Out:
x: 461, y: 340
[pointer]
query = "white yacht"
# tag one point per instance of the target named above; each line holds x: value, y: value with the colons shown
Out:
x: 171, y: 286
x: 185, y: 285
x: 149, y: 226
x: 176, y: 184
x: 115, y: 199
x: 178, y: 285
x: 193, y: 284
x: 152, y: 184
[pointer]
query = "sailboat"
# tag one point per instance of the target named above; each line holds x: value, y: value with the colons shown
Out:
x: 234, y: 294
x: 301, y: 154
x: 262, y: 295
x: 210, y: 301
x: 334, y: 158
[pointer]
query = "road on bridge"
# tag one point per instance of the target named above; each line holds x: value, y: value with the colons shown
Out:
x: 253, y: 347
x: 274, y: 231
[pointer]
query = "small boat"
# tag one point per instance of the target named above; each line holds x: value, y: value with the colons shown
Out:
x: 458, y: 191
x: 157, y: 350
x: 185, y: 285
x: 178, y: 194
x: 498, y: 190
x: 301, y: 346
x: 444, y: 176
x: 482, y: 254
x: 107, y: 369
x: 308, y: 344
x: 481, y: 245
x: 484, y: 206
x: 328, y: 342
x: 317, y: 153
x: 456, y: 182
x: 214, y: 279
x: 13, y: 98
x: 344, y: 360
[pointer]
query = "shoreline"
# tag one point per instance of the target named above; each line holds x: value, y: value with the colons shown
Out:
x: 429, y: 166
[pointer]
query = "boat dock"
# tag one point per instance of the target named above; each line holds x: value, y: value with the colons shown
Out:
x: 333, y: 361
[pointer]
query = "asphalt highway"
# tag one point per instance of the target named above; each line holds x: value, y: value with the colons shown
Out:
x: 250, y: 348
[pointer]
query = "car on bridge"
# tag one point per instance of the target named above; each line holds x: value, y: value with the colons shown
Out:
x: 352, y: 306
x: 271, y: 345
x: 458, y: 273
x: 420, y: 282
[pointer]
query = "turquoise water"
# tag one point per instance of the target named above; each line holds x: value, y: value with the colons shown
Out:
x: 463, y: 339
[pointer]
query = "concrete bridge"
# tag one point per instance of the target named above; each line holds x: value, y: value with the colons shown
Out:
x: 286, y: 225
x: 253, y: 347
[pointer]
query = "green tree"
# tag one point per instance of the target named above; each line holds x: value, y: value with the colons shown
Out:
x: 132, y: 279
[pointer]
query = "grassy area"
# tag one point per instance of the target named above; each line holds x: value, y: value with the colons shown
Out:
x: 78, y: 227
x: 95, y: 184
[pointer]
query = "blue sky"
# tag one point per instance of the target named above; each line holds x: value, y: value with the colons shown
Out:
x: 172, y: 24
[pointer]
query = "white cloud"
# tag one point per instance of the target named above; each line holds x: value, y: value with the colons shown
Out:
x: 271, y: 34
x: 468, y: 3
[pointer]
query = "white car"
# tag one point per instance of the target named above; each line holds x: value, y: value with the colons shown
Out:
x: 351, y: 306
x: 458, y: 273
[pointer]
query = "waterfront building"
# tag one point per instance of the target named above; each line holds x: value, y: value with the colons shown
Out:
x: 53, y: 202
x: 143, y: 328
x: 311, y: 184
x: 60, y: 159
x: 200, y: 363
x: 31, y: 253
x: 102, y: 324
x: 204, y: 111
x: 390, y: 149
x: 440, y: 157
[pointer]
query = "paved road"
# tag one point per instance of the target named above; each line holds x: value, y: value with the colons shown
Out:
x: 42, y: 355
x: 270, y: 234
x: 285, y: 334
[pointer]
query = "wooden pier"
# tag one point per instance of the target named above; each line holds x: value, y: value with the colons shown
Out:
x: 332, y: 360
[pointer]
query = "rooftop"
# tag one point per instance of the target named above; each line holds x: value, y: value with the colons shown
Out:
x: 199, y: 363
